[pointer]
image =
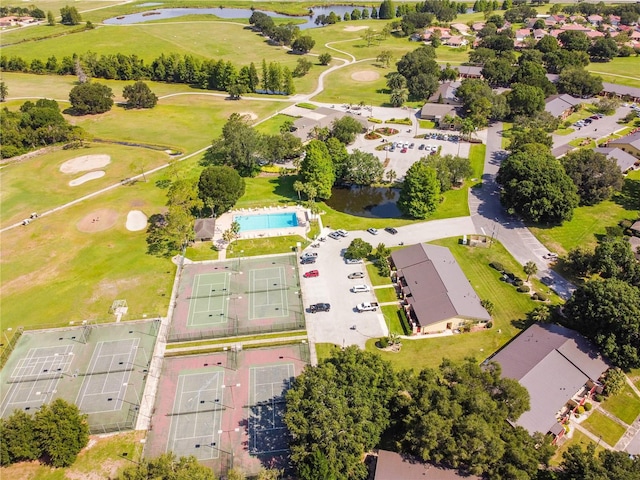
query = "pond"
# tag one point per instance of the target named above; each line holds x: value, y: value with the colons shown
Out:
x: 226, y: 13
x: 370, y: 202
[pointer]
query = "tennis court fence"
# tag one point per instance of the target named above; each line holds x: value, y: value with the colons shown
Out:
x: 234, y: 331
x: 128, y: 424
x: 8, y: 348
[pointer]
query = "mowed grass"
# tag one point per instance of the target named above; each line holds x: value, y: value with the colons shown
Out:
x: 374, y: 276
x: 511, y: 308
x: 385, y: 295
x: 103, y: 459
x: 52, y: 273
x: 602, y: 426
x: 577, y: 438
x: 628, y: 69
x: 267, y: 191
x: 37, y: 184
x: 201, y: 251
x: 272, y: 126
x: 262, y: 246
x: 625, y: 405
x: 590, y: 222
x: 391, y: 315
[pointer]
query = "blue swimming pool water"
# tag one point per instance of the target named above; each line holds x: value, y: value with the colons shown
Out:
x: 266, y: 221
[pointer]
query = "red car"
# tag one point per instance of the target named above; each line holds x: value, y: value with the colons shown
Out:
x: 311, y: 273
x: 404, y: 150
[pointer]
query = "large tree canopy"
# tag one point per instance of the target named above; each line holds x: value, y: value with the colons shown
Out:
x: 363, y: 168
x: 606, y: 465
x: 62, y: 431
x: 91, y: 98
x: 578, y: 82
x: 535, y: 186
x: 420, y: 193
x: 345, y: 129
x: 237, y: 147
x: 167, y: 467
x: 139, y: 95
x: 608, y: 312
x: 220, y: 188
x: 317, y: 169
x: 595, y: 175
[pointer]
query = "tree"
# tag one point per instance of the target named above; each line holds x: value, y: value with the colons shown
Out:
x: 339, y: 156
x: 336, y: 411
x: 608, y: 312
x: 595, y: 175
x: 303, y: 44
x: 358, y: 249
x: 498, y: 71
x: 139, y: 95
x: 451, y: 170
x: 230, y: 234
x: 220, y: 188
x: 62, y: 431
x: 533, y: 73
x: 384, y: 58
x: 167, y: 467
x: 237, y: 147
x: 317, y: 169
x: 530, y: 268
x: 298, y: 186
x: 525, y: 99
x: 615, y: 381
x: 363, y: 168
x: 325, y: 58
x: 579, y: 83
x: 386, y: 11
x: 19, y: 438
x: 395, y: 81
x: 91, y: 98
x: 420, y: 193
x: 288, y: 87
x: 603, y: 49
x: 370, y: 36
x: 398, y: 97
x: 270, y: 474
x: 302, y: 67
x: 70, y: 16
x: 51, y: 21
x: 535, y: 186
x: 527, y: 136
x: 345, y: 129
x: 547, y: 44
x: 574, y: 41
x: 613, y: 258
x: 4, y: 91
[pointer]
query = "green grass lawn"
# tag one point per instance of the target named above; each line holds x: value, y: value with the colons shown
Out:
x: 262, y: 246
x: 625, y: 67
x: 385, y: 295
x: 634, y: 376
x: 506, y: 126
x: 392, y: 319
x: 201, y: 251
x: 577, y: 438
x: 625, y: 405
x: 323, y: 350
x: 600, y: 425
x: 427, y: 124
x: 510, y: 311
x: 268, y: 190
x: 564, y: 131
x: 375, y: 277
x: 589, y: 222
x: 477, y: 153
x: 272, y: 125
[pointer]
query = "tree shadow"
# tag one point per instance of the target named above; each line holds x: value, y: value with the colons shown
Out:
x: 629, y: 196
x: 283, y: 187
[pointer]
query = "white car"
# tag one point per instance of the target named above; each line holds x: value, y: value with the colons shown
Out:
x: 353, y: 261
x: 360, y: 289
x: 342, y: 233
x: 372, y: 231
x: 550, y: 256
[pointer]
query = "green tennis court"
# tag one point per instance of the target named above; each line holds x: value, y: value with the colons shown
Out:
x: 208, y: 303
x: 269, y: 293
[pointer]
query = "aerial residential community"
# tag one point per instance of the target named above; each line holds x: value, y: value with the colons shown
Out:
x: 310, y: 240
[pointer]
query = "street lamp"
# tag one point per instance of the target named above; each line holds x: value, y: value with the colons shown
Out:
x: 214, y: 446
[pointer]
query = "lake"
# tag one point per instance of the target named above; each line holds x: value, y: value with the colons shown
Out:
x: 370, y: 202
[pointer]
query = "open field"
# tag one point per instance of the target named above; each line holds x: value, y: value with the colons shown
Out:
x: 37, y: 184
x: 622, y: 70
x: 511, y: 308
x: 272, y: 126
x: 590, y: 222
x: 625, y: 405
x: 53, y: 273
x: 602, y: 426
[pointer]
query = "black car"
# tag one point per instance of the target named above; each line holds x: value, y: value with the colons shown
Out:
x: 319, y: 307
x: 307, y: 260
x: 391, y: 230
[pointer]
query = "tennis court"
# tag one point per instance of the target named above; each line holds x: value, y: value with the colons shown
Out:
x: 266, y: 428
x: 208, y: 304
x: 196, y: 418
x: 237, y: 297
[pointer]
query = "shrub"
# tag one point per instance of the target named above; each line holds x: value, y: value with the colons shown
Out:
x: 383, y: 342
x: 523, y: 289
x: 508, y: 274
x: 534, y: 296
x: 580, y: 410
x: 497, y: 265
x: 372, y: 136
x: 374, y: 120
x: 588, y: 406
x: 518, y: 282
x: 489, y: 325
x: 542, y: 297
x: 598, y: 397
x: 625, y: 224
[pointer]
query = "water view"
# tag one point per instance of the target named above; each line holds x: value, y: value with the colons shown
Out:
x: 370, y: 202
x: 226, y: 13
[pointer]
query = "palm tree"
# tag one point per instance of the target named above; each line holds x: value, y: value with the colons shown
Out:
x: 399, y: 96
x: 467, y: 127
x: 4, y: 91
x: 396, y: 81
x: 530, y: 268
x: 298, y: 186
x: 391, y: 176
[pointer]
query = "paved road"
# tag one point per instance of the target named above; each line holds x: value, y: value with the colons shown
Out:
x: 489, y: 217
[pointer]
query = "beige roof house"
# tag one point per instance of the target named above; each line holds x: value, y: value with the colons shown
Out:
x: 629, y: 144
x: 394, y: 466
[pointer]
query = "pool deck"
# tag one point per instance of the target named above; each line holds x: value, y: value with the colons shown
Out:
x: 223, y: 223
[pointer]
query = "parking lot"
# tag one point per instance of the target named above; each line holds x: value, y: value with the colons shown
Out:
x: 332, y: 286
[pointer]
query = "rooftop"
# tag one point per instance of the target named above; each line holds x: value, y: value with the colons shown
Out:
x: 633, y: 140
x: 393, y: 466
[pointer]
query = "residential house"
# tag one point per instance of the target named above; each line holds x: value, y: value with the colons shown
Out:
x: 614, y: 20
x: 634, y: 239
x: 205, y: 229
x: 521, y: 34
x: 631, y: 94
x: 436, y: 295
x: 538, y: 33
x: 446, y: 94
x: 469, y: 71
x: 624, y: 160
x: 461, y: 27
x: 394, y: 466
x: 559, y: 368
x: 575, y: 27
x: 594, y: 20
x: 629, y: 144
x: 455, y: 41
x: 561, y: 106
x: 477, y: 26
x: 593, y: 34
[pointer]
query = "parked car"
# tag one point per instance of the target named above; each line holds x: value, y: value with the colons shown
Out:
x: 319, y: 307
x: 311, y: 274
x: 335, y: 235
x: 372, y: 231
x: 309, y: 255
x: 411, y: 145
x: 421, y: 147
x: 342, y: 233
x: 367, y: 307
x: 404, y: 150
x: 391, y: 230
x: 550, y: 256
x: 353, y: 261
x: 356, y: 275
x: 360, y: 289
x: 308, y: 261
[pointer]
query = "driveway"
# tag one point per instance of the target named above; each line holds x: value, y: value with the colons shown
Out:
x: 332, y: 285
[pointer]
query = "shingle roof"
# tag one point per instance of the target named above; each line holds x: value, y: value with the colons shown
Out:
x: 624, y: 160
x: 393, y: 466
x: 556, y: 105
x: 621, y: 89
x: 439, y: 288
x: 205, y: 228
x: 633, y: 140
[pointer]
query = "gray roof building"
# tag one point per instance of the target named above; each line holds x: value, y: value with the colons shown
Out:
x: 553, y: 363
x: 205, y: 228
x: 436, y: 288
x: 436, y: 111
x: 446, y: 93
x: 393, y: 466
x: 321, y: 118
x: 621, y: 91
x: 624, y: 160
x: 560, y: 105
x: 633, y: 140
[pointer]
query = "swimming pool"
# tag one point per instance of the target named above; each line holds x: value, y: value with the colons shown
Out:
x: 266, y: 221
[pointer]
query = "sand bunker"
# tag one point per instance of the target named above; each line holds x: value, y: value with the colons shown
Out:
x: 86, y: 177
x: 365, y: 76
x: 98, y: 220
x: 352, y: 28
x: 136, y: 221
x: 84, y: 163
x: 251, y: 115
